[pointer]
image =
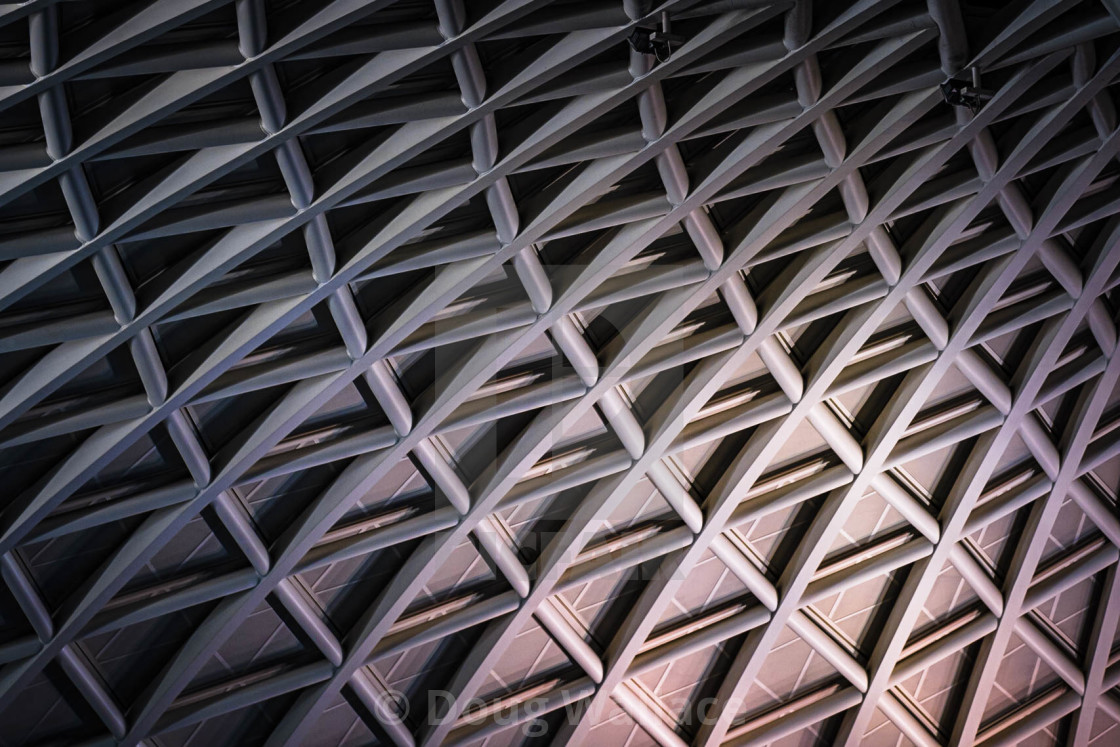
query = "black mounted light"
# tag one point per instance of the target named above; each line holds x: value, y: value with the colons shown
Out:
x: 959, y: 92
x: 656, y: 41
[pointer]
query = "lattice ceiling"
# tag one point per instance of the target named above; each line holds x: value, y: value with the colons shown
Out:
x: 447, y: 372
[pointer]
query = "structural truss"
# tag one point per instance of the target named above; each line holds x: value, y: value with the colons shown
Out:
x: 451, y: 372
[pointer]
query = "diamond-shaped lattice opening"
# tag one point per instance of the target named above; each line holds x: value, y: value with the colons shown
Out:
x: 220, y: 421
x: 275, y: 503
x: 1069, y: 613
x: 424, y: 667
x: 951, y: 601
x: 710, y: 584
x: 50, y: 709
x: 534, y: 524
x: 932, y: 465
x: 250, y: 725
x: 198, y: 548
x: 791, y: 670
x: 51, y: 566
x: 1022, y: 676
x: 874, y: 522
x: 602, y: 604
x: 642, y: 504
x: 995, y: 543
x: 465, y: 568
x: 130, y: 656
x: 683, y: 684
x: 403, y: 490
x: 346, y: 587
x: 538, y: 382
x: 75, y: 291
x: 1071, y: 528
x: 346, y: 721
x: 774, y: 536
x: 859, y: 612
x: 262, y: 640
x: 352, y: 415
x: 939, y: 689
x: 534, y: 657
x: 25, y: 464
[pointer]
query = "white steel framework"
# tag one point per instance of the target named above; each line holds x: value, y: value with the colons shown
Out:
x: 449, y: 372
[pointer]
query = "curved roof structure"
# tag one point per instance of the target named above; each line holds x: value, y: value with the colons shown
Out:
x: 523, y: 372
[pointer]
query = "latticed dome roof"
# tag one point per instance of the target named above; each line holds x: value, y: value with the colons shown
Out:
x: 542, y: 372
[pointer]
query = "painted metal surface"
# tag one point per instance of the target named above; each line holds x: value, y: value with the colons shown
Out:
x: 438, y: 372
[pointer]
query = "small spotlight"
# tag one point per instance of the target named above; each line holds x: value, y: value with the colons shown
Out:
x: 959, y: 92
x: 656, y: 41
